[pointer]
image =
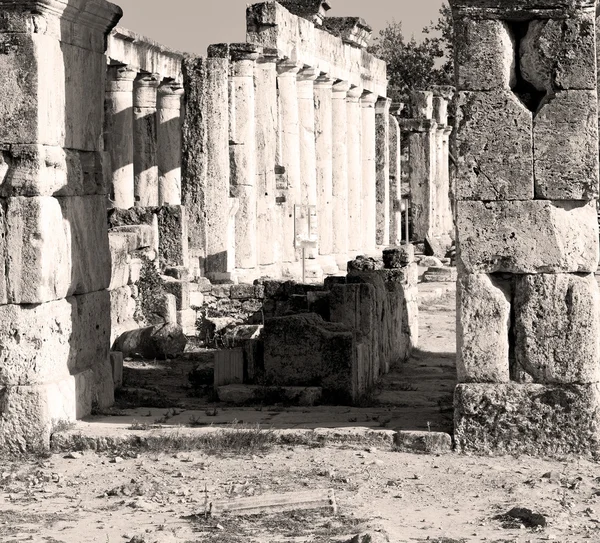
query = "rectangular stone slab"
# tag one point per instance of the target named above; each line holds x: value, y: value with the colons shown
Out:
x: 493, y: 141
x: 557, y: 327
x: 483, y: 304
x: 485, y: 55
x: 520, y: 9
x: 527, y: 419
x: 536, y: 236
x: 565, y: 135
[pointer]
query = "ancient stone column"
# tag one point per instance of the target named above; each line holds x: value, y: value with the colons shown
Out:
x: 119, y: 134
x: 324, y: 152
x: 56, y: 263
x: 307, y: 227
x: 369, y: 173
x: 269, y: 221
x: 289, y: 133
x: 355, y: 171
x: 339, y: 215
x: 527, y: 230
x: 422, y: 142
x: 145, y: 165
x: 395, y: 176
x: 243, y: 156
x: 382, y: 160
x: 442, y: 223
x: 205, y: 164
x: 169, y: 127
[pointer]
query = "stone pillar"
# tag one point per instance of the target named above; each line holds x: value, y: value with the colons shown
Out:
x: 56, y: 264
x: 369, y: 173
x: 169, y: 128
x: 145, y: 165
x: 324, y: 151
x: 527, y: 230
x: 422, y: 142
x: 205, y: 164
x: 442, y: 223
x: 339, y: 215
x: 243, y: 156
x: 269, y: 221
x: 355, y: 172
x: 395, y: 176
x: 289, y: 133
x: 118, y: 134
x: 307, y: 227
x: 382, y: 160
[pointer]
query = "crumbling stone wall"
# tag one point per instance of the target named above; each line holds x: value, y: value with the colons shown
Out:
x: 527, y: 184
x: 55, y: 306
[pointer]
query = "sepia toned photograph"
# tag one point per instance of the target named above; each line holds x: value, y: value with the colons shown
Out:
x: 299, y: 271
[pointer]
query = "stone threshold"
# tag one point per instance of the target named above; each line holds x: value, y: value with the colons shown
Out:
x: 88, y: 436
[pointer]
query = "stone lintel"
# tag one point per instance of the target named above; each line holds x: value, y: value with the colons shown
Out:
x: 520, y: 9
x: 270, y: 55
x: 144, y: 53
x: 352, y: 30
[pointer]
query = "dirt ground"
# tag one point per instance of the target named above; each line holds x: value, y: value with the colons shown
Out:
x: 132, y: 497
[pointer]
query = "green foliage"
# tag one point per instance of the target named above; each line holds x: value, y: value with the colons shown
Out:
x: 414, y: 65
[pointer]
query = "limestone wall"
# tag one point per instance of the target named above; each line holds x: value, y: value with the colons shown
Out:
x: 527, y: 228
x: 56, y: 269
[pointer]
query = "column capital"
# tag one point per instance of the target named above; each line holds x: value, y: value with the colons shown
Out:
x: 239, y: 52
x: 368, y: 99
x: 144, y: 90
x: 120, y: 78
x: 397, y: 108
x: 324, y: 82
x: 270, y: 55
x: 147, y: 80
x: 382, y: 106
x: 341, y: 88
x: 289, y: 67
x: 440, y: 110
x: 421, y: 104
x: 308, y: 74
x: 355, y: 93
x: 169, y: 95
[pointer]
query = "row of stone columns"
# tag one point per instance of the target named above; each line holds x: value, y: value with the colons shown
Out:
x: 143, y: 138
x: 304, y: 166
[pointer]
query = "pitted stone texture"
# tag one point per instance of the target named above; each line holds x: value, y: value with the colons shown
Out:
x: 91, y: 332
x: 537, y: 236
x: 398, y: 257
x: 557, y: 327
x: 560, y: 54
x: 483, y: 306
x: 565, y: 132
x: 484, y: 54
x: 527, y: 419
x: 40, y: 170
x: 520, y: 9
x: 494, y: 144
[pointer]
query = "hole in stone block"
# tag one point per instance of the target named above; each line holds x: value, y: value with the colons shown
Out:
x: 525, y: 91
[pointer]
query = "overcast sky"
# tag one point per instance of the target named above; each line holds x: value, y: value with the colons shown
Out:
x: 191, y: 25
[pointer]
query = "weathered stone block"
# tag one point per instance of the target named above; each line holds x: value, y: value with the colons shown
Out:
x: 40, y: 170
x: 559, y: 54
x: 179, y: 289
x: 440, y: 274
x: 173, y: 242
x: 142, y: 235
x: 565, y: 133
x: 485, y: 55
x: 242, y: 292
x: 557, y: 328
x: 122, y: 311
x: 527, y: 419
x: 304, y: 350
x: 90, y: 342
x: 120, y: 259
x: 116, y: 360
x: 538, y: 236
x: 36, y: 342
x: 163, y: 342
x: 494, y: 144
x: 398, y: 257
x: 483, y: 305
